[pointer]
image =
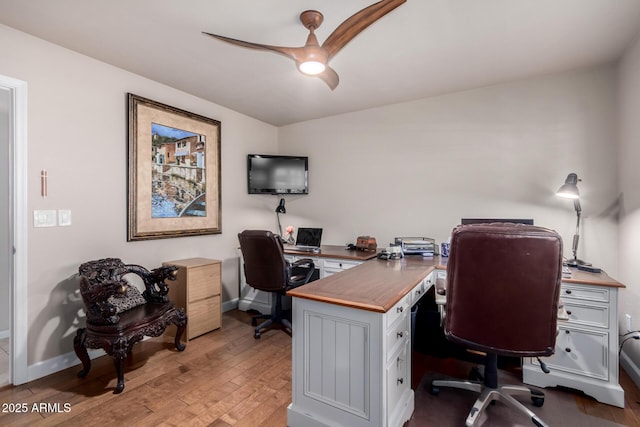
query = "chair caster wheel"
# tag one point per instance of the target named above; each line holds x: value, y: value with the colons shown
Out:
x: 256, y: 335
x: 537, y: 401
x: 434, y: 390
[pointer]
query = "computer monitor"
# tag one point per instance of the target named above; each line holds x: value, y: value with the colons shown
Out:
x: 465, y: 221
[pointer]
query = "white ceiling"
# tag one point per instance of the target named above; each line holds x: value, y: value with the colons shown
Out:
x: 421, y: 49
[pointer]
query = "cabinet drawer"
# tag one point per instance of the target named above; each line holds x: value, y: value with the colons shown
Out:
x: 398, y: 378
x: 587, y: 314
x: 338, y: 264
x: 586, y: 293
x: 204, y: 316
x: 402, y: 308
x: 397, y: 335
x: 421, y: 289
x: 580, y: 352
x: 204, y: 281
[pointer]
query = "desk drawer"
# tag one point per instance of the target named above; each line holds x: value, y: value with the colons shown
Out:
x: 402, y: 308
x: 422, y: 288
x: 585, y: 293
x: 580, y: 352
x: 338, y: 264
x: 398, y: 335
x: 586, y: 314
x: 398, y: 378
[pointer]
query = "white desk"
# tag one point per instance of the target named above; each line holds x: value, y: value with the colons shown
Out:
x: 352, y: 343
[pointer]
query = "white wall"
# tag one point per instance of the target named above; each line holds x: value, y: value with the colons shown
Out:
x: 501, y: 151
x: 78, y: 132
x: 629, y: 95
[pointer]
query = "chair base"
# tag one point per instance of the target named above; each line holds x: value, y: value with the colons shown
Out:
x: 277, y: 316
x: 488, y: 395
x: 270, y: 320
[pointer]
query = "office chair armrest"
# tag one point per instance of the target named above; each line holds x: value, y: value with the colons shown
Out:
x: 297, y: 280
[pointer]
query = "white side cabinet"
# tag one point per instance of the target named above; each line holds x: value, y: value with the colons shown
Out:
x: 352, y: 367
x: 251, y: 299
x: 586, y: 352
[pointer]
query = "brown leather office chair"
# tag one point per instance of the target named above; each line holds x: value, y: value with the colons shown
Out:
x: 503, y: 284
x: 267, y: 270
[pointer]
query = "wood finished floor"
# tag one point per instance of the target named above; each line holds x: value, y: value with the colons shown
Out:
x: 224, y: 378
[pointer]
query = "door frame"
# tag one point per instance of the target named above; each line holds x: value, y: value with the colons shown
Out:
x: 18, y: 366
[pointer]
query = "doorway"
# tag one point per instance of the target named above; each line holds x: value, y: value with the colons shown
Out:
x: 13, y: 231
x: 5, y: 257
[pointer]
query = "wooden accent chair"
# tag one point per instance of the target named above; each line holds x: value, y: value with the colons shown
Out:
x: 118, y: 316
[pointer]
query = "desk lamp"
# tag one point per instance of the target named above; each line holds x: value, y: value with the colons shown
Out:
x: 280, y: 209
x: 569, y: 190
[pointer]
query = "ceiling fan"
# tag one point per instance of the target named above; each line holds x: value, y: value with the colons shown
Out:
x: 312, y: 59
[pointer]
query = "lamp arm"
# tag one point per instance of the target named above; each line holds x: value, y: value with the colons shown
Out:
x: 576, y: 236
x: 279, y: 226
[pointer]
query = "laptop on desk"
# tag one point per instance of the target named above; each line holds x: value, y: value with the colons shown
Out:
x: 308, y: 239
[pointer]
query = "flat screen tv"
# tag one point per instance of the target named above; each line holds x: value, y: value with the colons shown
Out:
x: 273, y: 174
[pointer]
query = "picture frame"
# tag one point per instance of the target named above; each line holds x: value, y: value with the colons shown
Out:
x: 173, y: 172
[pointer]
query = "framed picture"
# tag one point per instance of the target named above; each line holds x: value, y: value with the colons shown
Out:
x: 174, y: 172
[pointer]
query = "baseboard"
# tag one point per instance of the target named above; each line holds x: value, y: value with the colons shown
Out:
x: 58, y: 363
x: 230, y: 305
x: 64, y: 361
x: 630, y: 368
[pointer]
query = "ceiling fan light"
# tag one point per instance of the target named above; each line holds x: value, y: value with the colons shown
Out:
x: 312, y: 68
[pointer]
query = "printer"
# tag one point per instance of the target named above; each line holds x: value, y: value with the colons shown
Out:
x: 424, y: 246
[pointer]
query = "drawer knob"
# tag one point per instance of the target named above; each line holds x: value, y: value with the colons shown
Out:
x: 568, y: 291
x: 400, y: 334
x: 567, y: 332
x: 569, y: 312
x: 400, y: 309
x: 568, y: 350
x: 400, y: 380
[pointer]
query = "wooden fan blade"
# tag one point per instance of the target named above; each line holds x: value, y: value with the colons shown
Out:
x: 294, y: 53
x: 330, y: 77
x: 356, y: 23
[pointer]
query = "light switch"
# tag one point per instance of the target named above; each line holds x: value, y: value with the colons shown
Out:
x: 44, y: 218
x: 64, y: 217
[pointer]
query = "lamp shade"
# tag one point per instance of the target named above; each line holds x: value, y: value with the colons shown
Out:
x: 281, y: 208
x: 569, y: 190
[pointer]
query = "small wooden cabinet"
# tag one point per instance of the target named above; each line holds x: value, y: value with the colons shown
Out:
x: 197, y: 289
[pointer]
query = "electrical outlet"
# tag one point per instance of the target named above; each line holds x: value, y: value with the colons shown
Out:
x: 64, y: 217
x: 628, y: 319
